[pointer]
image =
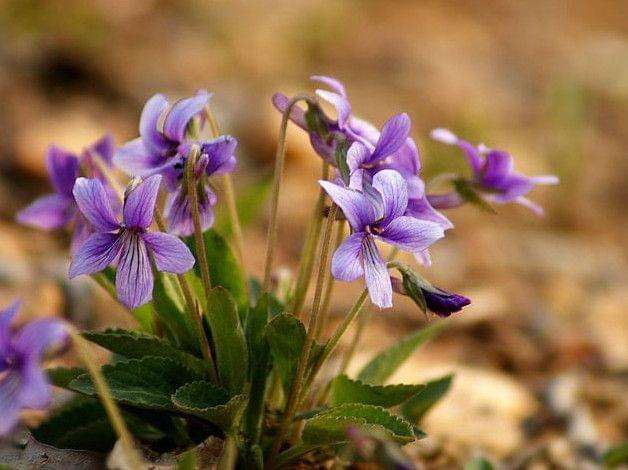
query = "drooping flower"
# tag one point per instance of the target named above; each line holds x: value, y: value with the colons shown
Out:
x: 129, y: 243
x: 58, y: 210
x: 434, y: 299
x: 23, y: 384
x: 493, y: 175
x: 377, y: 213
x: 167, y: 134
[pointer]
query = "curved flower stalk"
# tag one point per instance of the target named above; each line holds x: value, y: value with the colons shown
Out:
x: 59, y: 209
x: 23, y: 384
x: 167, y: 134
x: 377, y: 213
x: 127, y: 243
x: 493, y: 175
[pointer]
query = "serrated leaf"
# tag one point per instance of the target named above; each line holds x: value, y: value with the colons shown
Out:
x: 136, y: 345
x: 228, y: 338
x: 331, y: 425
x: 146, y: 383
x: 382, y: 366
x: 285, y: 335
x: 211, y: 403
x: 62, y: 376
x: 346, y: 390
x: 416, y: 407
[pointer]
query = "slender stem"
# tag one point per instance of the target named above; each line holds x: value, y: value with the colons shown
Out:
x: 280, y: 157
x: 108, y: 174
x: 306, y: 264
x: 229, y: 454
x: 104, y: 393
x: 295, y: 390
x: 192, y: 194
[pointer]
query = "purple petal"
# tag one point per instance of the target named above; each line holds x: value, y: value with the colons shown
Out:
x: 363, y: 131
x: 357, y: 155
x: 139, y: 204
x: 412, y: 234
x: 182, y: 112
x: 6, y: 317
x: 103, y: 147
x: 48, y: 212
x: 376, y: 275
x: 95, y: 253
x: 497, y: 166
x: 420, y: 208
x: 509, y: 188
x: 154, y: 141
x: 423, y: 257
x: 406, y: 160
x: 134, y: 278
x: 346, y: 264
x: 179, y: 214
x: 533, y: 206
x: 93, y: 201
x: 82, y: 231
x: 545, y: 179
x: 9, y: 401
x: 221, y: 154
x: 340, y: 103
x: 171, y: 254
x: 394, y: 191
x: 355, y: 205
x: 35, y: 391
x: 63, y: 168
x: 331, y: 83
x: 297, y: 115
x: 135, y: 160
x: 38, y: 337
x: 393, y: 136
x: 444, y: 303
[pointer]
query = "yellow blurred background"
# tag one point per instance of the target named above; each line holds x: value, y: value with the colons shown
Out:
x: 541, y: 356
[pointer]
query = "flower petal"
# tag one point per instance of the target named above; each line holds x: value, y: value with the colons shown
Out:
x: 394, y: 191
x: 135, y: 160
x: 420, y: 208
x: 103, y: 147
x: 357, y: 155
x: 375, y: 274
x: 497, y: 166
x: 9, y: 401
x: 393, y: 136
x: 48, y: 212
x: 331, y: 83
x: 93, y: 201
x: 340, y: 103
x: 38, y: 337
x: 139, y: 203
x: 444, y: 303
x: 533, y: 206
x: 63, y: 168
x: 179, y: 214
x: 297, y: 115
x: 154, y: 141
x: 346, y: 264
x: 412, y: 234
x: 81, y: 232
x: 95, y: 254
x: 355, y: 205
x: 6, y: 317
x: 134, y: 278
x: 35, y: 390
x: 221, y: 154
x: 182, y: 112
x: 171, y: 254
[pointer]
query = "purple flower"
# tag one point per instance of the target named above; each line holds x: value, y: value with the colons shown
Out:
x: 58, y: 210
x: 493, y: 173
x: 22, y: 382
x: 443, y: 303
x: 129, y: 244
x: 377, y: 213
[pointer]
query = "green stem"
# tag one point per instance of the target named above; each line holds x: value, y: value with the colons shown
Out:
x: 133, y: 458
x: 295, y: 390
x: 229, y: 454
x: 306, y: 264
x: 280, y: 158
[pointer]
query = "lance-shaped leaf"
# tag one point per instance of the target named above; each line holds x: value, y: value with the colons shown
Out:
x: 228, y: 338
x: 331, y: 425
x: 136, y: 345
x: 146, y: 383
x: 386, y: 363
x: 346, y: 390
x: 416, y: 407
x: 285, y: 335
x: 211, y: 403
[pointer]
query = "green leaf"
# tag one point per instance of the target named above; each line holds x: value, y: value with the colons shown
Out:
x: 416, y: 407
x: 224, y: 269
x: 465, y: 189
x: 346, y: 390
x: 228, y: 337
x: 285, y: 335
x: 250, y: 200
x: 211, y: 403
x: 331, y: 425
x: 146, y: 383
x: 478, y: 463
x: 299, y: 450
x: 616, y: 455
x: 340, y: 155
x: 382, y: 366
x: 62, y: 376
x: 136, y: 345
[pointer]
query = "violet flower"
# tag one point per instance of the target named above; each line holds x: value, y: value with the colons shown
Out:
x: 23, y: 384
x: 129, y: 244
x: 493, y: 174
x: 58, y: 210
x: 437, y: 300
x: 377, y: 213
x: 162, y: 148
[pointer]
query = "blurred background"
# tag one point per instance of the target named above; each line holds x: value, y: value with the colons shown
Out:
x: 541, y: 356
